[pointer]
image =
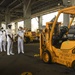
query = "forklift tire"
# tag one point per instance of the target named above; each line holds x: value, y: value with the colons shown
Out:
x: 73, y: 64
x: 46, y: 57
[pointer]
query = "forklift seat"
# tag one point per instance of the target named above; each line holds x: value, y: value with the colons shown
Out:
x: 58, y: 39
x: 71, y: 34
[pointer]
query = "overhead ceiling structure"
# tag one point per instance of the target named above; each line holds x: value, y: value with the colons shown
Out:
x: 16, y: 7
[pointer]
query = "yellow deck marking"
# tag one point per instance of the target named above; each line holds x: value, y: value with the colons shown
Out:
x: 26, y: 73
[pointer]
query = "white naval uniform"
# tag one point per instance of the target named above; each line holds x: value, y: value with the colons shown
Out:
x: 20, y: 41
x: 4, y: 40
x: 9, y: 41
x: 0, y: 41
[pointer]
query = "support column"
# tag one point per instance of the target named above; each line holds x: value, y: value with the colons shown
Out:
x: 65, y: 19
x: 40, y: 21
x: 24, y: 13
x: 16, y: 27
x: 7, y: 17
x: 27, y: 13
x: 73, y: 2
x: 68, y: 2
x: 66, y: 16
x: 0, y: 24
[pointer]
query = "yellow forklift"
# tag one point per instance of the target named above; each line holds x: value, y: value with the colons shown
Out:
x: 30, y: 36
x: 57, y: 42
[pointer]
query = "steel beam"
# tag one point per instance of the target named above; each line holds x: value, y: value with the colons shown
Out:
x: 2, y: 2
x: 11, y: 3
x: 16, y: 6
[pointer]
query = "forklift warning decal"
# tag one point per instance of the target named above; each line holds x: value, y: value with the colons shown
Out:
x: 26, y: 73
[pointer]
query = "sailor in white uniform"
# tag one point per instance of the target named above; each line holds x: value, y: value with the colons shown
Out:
x: 9, y: 40
x: 0, y: 40
x: 20, y: 40
x: 4, y: 39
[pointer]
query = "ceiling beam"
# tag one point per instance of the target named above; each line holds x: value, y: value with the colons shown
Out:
x: 2, y: 2
x: 19, y: 10
x: 27, y: 6
x: 16, y: 6
x: 11, y: 3
x: 1, y: 8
